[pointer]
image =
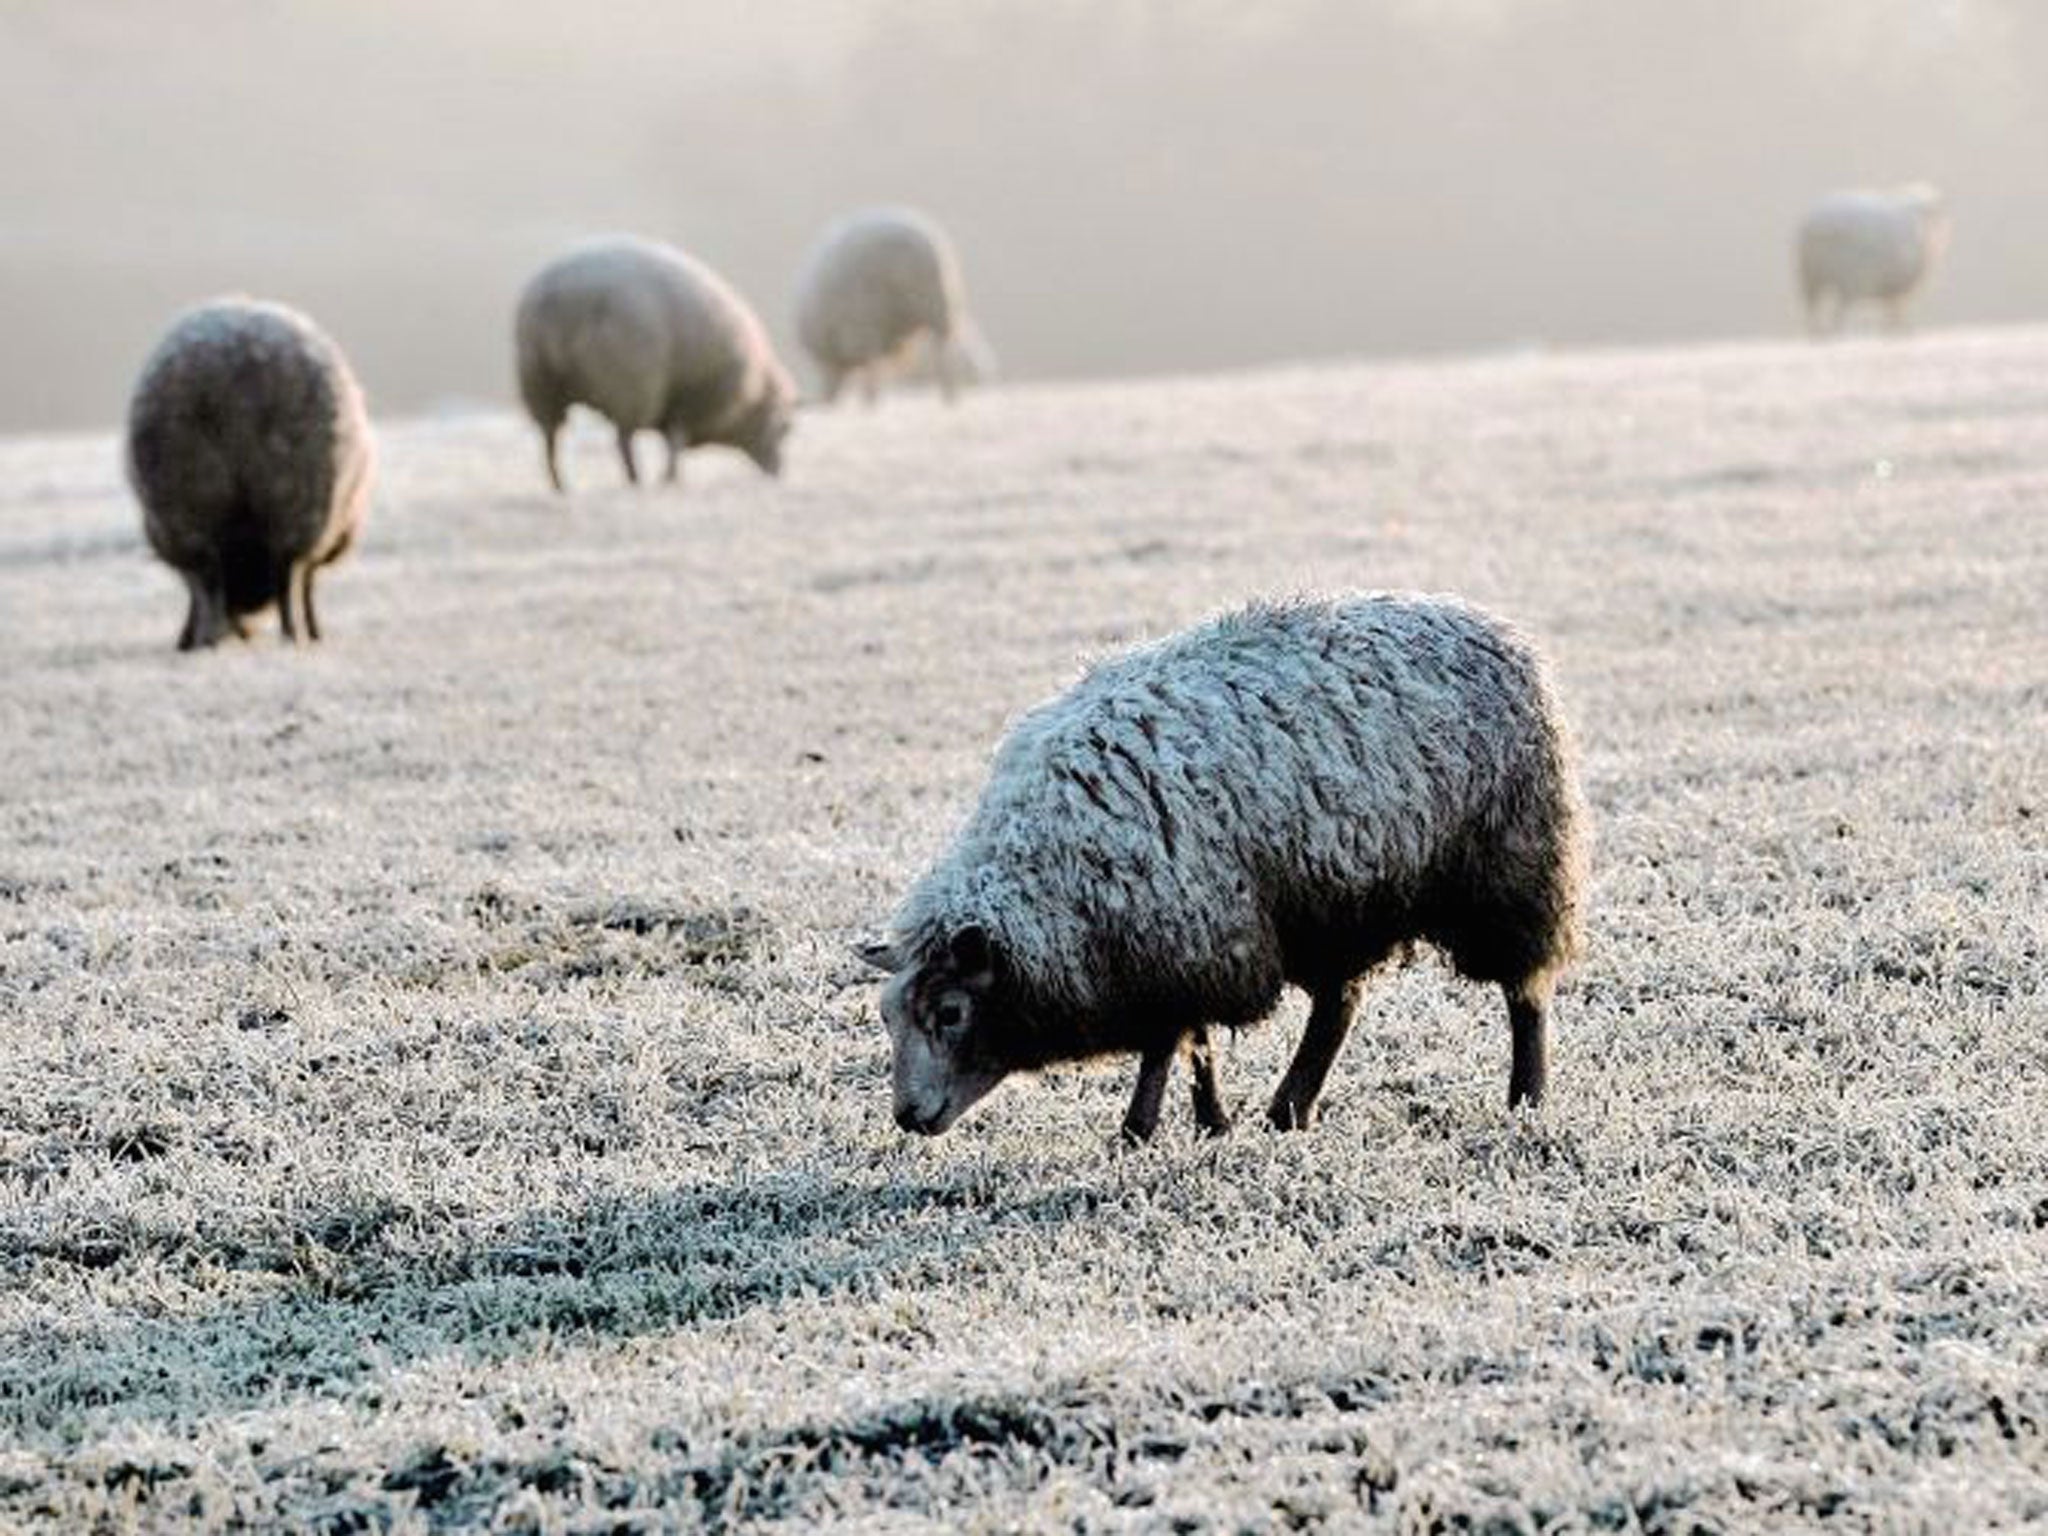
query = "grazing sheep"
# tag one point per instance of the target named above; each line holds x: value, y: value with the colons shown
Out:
x: 1291, y: 793
x: 250, y: 451
x: 877, y: 285
x: 650, y: 338
x: 1879, y: 246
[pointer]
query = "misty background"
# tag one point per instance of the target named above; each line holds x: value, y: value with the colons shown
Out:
x: 1135, y: 185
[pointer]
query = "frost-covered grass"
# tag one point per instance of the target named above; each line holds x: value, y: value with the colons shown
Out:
x: 435, y: 1089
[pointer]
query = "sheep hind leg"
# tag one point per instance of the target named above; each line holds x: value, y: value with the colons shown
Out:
x: 195, y: 613
x: 306, y: 600
x: 1529, y: 1019
x: 1142, y: 1118
x: 1329, y: 1021
x: 551, y: 446
x: 626, y: 456
x: 207, y: 620
x: 298, y: 599
x: 287, y: 597
x: 1210, y: 1115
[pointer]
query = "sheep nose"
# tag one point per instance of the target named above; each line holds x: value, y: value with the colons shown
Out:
x: 910, y: 1120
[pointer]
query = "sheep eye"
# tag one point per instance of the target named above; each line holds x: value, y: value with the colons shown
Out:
x: 950, y: 1016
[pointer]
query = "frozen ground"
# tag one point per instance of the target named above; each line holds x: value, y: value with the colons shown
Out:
x: 435, y: 1089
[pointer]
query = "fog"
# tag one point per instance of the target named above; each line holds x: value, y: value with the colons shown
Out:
x: 1135, y: 187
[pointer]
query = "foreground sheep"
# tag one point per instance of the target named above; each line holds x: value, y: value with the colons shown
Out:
x: 651, y: 339
x: 1868, y: 246
x: 1287, y: 794
x: 250, y: 451
x: 880, y: 284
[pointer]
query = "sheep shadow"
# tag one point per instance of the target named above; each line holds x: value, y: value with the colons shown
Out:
x: 369, y: 1291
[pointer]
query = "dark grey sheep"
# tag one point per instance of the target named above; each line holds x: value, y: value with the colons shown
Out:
x: 652, y: 340
x: 251, y: 453
x: 1292, y: 793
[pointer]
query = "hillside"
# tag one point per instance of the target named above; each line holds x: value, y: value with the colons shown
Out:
x: 437, y: 1088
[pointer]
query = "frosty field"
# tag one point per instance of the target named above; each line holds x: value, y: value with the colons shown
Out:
x: 436, y: 1090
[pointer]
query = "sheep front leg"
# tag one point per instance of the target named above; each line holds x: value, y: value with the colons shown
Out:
x: 1529, y: 1019
x: 1210, y: 1114
x: 1329, y: 1021
x: 1142, y: 1118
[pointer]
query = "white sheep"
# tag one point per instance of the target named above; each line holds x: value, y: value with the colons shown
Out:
x: 250, y: 451
x: 881, y: 288
x: 651, y: 339
x: 1291, y: 793
x: 1876, y: 246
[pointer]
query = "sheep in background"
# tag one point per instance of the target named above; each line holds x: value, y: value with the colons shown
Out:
x: 1878, y: 246
x: 881, y: 286
x: 651, y: 339
x: 250, y: 451
x: 1292, y: 793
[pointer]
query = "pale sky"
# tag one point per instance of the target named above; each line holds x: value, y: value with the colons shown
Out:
x: 1135, y: 185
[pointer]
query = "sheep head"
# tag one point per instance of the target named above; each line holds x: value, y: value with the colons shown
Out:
x: 943, y: 1011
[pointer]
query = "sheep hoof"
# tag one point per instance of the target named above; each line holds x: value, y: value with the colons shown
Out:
x: 1284, y: 1116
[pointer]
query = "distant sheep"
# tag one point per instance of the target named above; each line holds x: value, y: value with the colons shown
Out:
x: 1868, y: 246
x: 651, y: 339
x: 1292, y: 793
x: 881, y: 286
x: 250, y: 451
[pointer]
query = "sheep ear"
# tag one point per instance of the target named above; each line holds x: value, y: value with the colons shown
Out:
x: 974, y: 954
x: 881, y: 954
